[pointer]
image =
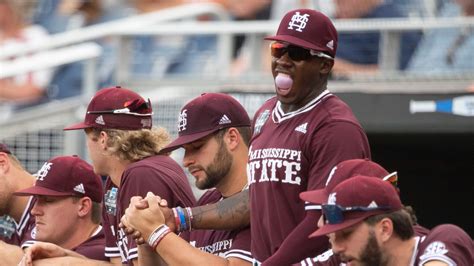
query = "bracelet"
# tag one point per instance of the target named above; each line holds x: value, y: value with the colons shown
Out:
x: 158, y: 234
x: 176, y: 220
x: 190, y: 216
x: 182, y: 218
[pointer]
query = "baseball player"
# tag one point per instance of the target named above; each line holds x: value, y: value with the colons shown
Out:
x: 123, y: 146
x: 67, y: 206
x: 372, y: 228
x: 214, y: 130
x: 343, y: 171
x: 16, y: 221
x: 298, y: 136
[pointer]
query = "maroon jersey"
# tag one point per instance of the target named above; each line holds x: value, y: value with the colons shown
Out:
x: 159, y: 174
x: 328, y: 258
x: 291, y: 153
x: 447, y: 243
x: 109, y: 212
x: 227, y: 244
x: 24, y: 229
x: 93, y: 248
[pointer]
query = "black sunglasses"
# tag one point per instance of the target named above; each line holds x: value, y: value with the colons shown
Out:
x: 296, y: 53
x: 334, y: 214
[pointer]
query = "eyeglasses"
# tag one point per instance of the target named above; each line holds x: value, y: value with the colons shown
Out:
x: 137, y: 107
x: 296, y: 53
x: 334, y: 214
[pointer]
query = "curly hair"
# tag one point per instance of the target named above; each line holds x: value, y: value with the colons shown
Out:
x: 134, y: 145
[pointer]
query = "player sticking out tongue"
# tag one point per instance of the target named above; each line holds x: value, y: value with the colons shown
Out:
x: 283, y: 82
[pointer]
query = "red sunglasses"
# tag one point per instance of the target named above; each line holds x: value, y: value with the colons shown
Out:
x: 296, y: 53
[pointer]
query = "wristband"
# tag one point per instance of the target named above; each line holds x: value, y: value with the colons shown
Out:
x: 158, y: 234
x: 182, y: 218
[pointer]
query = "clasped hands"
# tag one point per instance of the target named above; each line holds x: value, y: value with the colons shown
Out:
x: 144, y: 215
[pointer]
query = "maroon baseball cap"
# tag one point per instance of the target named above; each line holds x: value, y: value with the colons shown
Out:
x: 116, y: 108
x: 207, y: 114
x: 347, y: 169
x: 308, y: 28
x: 4, y: 148
x: 66, y: 176
x: 358, y: 191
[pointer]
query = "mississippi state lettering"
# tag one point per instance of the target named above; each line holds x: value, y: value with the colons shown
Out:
x: 271, y: 159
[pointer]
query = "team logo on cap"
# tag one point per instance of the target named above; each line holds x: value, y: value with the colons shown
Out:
x: 43, y: 172
x: 332, y: 198
x: 298, y: 21
x: 436, y: 248
x: 182, y: 120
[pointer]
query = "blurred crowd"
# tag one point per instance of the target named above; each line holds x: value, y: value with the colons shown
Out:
x: 442, y: 50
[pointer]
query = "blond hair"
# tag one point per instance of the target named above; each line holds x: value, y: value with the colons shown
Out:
x: 134, y: 145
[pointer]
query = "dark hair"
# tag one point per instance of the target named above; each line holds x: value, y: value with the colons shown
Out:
x: 402, y: 223
x: 245, y: 133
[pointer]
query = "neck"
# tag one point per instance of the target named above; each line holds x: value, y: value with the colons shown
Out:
x: 401, y: 252
x: 116, y: 169
x: 17, y: 204
x: 81, y: 234
x: 314, y: 93
x: 236, y: 179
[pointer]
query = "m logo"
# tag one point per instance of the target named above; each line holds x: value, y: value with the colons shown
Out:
x: 43, y: 172
x: 182, y: 120
x: 298, y: 22
x: 332, y: 198
x: 100, y: 120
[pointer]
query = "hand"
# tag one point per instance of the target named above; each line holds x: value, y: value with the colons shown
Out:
x: 143, y: 220
x: 42, y: 250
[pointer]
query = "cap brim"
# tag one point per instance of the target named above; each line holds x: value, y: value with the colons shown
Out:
x: 295, y: 41
x: 331, y: 228
x: 182, y: 140
x: 40, y: 191
x: 319, y: 196
x: 77, y: 126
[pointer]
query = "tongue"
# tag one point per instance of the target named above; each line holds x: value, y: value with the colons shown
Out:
x: 283, y: 81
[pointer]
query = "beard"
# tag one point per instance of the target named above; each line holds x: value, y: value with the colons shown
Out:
x: 371, y: 254
x: 219, y: 168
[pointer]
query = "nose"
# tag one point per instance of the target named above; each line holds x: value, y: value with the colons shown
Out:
x: 336, y: 245
x: 188, y: 159
x: 36, y: 210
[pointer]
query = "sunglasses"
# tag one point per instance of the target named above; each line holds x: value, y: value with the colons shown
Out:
x: 334, y: 214
x: 136, y: 107
x: 296, y: 53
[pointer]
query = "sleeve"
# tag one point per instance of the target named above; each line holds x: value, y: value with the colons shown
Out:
x: 447, y: 243
x: 332, y: 144
x: 240, y: 248
x: 138, y: 182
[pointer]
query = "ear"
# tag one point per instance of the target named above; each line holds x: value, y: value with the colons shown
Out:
x: 232, y: 138
x: 103, y: 138
x: 385, y: 229
x: 5, y: 163
x: 84, y: 206
x: 326, y: 66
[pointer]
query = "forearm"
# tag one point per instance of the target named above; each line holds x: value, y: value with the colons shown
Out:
x: 228, y: 214
x: 70, y: 261
x: 147, y: 256
x: 10, y: 254
x: 307, y: 247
